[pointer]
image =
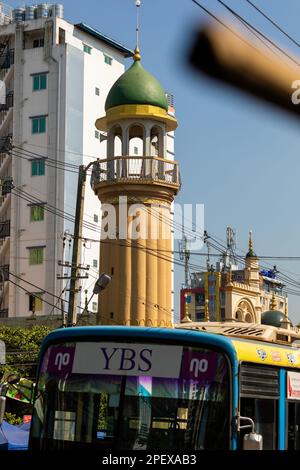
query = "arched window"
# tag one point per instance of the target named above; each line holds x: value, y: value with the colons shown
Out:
x: 117, y: 136
x: 156, y: 142
x: 136, y: 137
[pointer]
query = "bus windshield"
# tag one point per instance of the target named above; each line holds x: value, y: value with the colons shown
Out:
x: 131, y: 396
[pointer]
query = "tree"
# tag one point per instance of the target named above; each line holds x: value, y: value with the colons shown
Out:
x: 22, y: 350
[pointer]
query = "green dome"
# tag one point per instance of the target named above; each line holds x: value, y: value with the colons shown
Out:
x: 136, y: 86
x: 272, y: 318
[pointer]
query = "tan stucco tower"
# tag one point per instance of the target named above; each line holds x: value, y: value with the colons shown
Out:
x: 138, y: 255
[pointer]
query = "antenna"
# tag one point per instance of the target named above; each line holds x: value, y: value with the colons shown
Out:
x: 137, y: 4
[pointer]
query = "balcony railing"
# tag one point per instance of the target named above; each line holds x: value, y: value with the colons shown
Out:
x: 4, y: 273
x: 7, y: 59
x: 5, y: 143
x: 136, y: 170
x: 9, y: 102
x: 4, y: 229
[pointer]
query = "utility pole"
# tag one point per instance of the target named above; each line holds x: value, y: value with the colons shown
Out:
x: 184, y: 254
x: 72, y: 310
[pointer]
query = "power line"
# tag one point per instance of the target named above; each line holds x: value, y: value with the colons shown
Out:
x: 245, y: 22
x: 273, y: 23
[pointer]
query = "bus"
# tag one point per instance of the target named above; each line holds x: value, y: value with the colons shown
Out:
x: 210, y: 386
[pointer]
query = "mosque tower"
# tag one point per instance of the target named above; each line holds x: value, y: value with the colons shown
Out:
x: 139, y: 183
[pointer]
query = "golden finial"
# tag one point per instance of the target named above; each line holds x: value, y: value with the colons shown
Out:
x: 137, y: 55
x: 206, y: 310
x: 273, y: 302
x: 250, y: 241
x: 186, y: 318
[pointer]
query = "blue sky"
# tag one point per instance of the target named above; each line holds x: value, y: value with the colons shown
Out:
x: 238, y: 157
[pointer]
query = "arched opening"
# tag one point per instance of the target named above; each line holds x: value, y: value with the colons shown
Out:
x: 136, y: 137
x: 239, y: 315
x: 248, y: 318
x: 156, y: 142
x: 117, y: 136
x: 114, y: 145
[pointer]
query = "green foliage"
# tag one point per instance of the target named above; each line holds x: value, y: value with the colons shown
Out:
x: 22, y: 349
x: 13, y: 419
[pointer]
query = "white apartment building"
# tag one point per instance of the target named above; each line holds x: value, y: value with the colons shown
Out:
x: 57, y: 76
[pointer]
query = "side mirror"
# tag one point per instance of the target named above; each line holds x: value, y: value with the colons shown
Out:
x: 253, y: 441
x: 2, y: 409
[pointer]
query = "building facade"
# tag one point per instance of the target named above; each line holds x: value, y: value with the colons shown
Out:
x: 233, y: 294
x: 57, y: 76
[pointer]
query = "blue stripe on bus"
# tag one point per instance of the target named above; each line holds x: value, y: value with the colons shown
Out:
x: 282, y: 410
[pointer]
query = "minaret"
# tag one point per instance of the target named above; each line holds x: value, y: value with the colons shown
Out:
x: 252, y: 265
x: 136, y: 171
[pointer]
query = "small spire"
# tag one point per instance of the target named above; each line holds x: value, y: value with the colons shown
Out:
x: 273, y: 302
x: 137, y: 55
x: 250, y: 241
x: 207, y: 310
x: 186, y: 318
x: 286, y: 308
x: 250, y: 253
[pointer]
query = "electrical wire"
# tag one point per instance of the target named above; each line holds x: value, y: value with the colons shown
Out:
x: 273, y: 23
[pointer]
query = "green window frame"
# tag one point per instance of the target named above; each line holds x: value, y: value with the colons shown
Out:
x: 37, y: 213
x: 38, y: 125
x: 38, y: 167
x: 36, y: 256
x: 40, y: 82
x: 107, y: 59
x: 87, y: 49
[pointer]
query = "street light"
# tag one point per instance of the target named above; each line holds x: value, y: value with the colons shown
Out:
x: 101, y: 283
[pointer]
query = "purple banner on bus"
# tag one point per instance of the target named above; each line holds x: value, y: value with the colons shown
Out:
x: 199, y: 365
x: 61, y: 360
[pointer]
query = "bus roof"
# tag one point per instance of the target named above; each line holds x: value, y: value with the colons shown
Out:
x: 239, y: 349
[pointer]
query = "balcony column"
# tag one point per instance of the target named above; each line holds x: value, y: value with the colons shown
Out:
x: 147, y: 140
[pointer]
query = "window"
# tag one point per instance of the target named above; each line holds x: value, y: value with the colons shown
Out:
x: 95, y: 306
x: 36, y: 255
x: 96, y: 218
x: 36, y: 302
x: 36, y: 213
x: 39, y: 125
x: 38, y: 167
x: 87, y: 49
x: 97, y: 91
x: 135, y: 150
x: 97, y: 135
x: 40, y: 82
x: 95, y: 263
x: 38, y: 42
x: 62, y: 36
x: 107, y: 59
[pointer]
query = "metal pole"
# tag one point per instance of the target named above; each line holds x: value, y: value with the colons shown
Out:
x: 72, y: 313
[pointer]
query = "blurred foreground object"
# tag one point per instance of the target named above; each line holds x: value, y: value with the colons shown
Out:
x: 221, y: 54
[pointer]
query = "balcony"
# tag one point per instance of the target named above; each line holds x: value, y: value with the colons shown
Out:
x: 5, y: 144
x: 137, y: 170
x: 7, y: 59
x: 4, y: 271
x: 4, y: 229
x: 9, y: 102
